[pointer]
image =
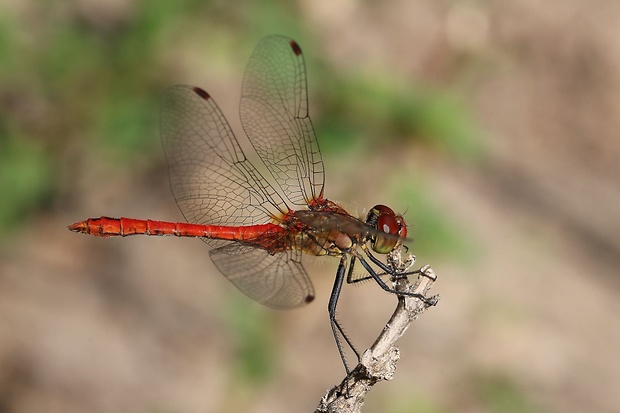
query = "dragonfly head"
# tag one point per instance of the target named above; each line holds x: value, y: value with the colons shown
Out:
x: 385, y: 221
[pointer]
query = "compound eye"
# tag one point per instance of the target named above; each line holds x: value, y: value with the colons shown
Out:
x: 387, y: 223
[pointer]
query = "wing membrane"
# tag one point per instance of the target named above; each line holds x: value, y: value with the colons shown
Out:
x: 214, y: 183
x: 211, y: 179
x: 276, y: 280
x: 274, y: 115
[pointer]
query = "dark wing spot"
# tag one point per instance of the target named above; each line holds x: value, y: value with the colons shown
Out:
x: 201, y: 93
x: 296, y: 48
x: 309, y: 299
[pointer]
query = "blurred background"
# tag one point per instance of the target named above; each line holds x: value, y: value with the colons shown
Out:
x: 492, y: 125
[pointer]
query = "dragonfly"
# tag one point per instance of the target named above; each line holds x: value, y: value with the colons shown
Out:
x: 258, y: 229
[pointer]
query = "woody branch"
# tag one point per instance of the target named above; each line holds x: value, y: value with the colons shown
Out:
x: 378, y: 363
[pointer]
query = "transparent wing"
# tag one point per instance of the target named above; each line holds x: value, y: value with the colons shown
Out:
x: 274, y: 115
x: 214, y: 183
x: 211, y: 179
x: 276, y: 280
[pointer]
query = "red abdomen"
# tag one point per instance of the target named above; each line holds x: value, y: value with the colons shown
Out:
x: 109, y: 227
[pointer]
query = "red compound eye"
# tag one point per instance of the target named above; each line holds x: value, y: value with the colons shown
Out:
x: 384, y: 220
x: 388, y: 224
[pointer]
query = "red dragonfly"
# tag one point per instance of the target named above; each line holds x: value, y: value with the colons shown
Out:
x: 258, y: 231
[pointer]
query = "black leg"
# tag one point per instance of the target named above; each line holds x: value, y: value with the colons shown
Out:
x: 351, y: 280
x: 350, y: 272
x: 387, y: 269
x: 378, y: 262
x: 382, y: 283
x: 331, y: 308
x: 391, y: 273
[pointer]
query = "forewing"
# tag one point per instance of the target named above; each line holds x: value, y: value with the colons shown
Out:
x: 276, y: 280
x: 274, y: 114
x: 211, y: 179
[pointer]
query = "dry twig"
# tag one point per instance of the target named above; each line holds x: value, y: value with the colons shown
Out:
x: 378, y: 363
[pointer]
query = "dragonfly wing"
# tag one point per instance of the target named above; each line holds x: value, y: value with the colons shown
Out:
x: 211, y: 179
x: 274, y: 115
x: 276, y: 280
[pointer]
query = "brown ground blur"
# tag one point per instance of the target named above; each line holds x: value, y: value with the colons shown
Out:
x: 530, y: 323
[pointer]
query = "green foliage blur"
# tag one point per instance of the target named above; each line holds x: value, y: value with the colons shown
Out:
x: 375, y: 109
x: 501, y: 395
x: 434, y: 234
x: 25, y: 181
x: 255, y: 345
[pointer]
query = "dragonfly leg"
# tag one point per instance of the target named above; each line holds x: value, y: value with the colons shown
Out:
x: 350, y: 279
x: 384, y: 286
x: 333, y: 302
x: 391, y: 273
